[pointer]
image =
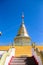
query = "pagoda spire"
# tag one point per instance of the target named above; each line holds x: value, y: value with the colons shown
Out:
x: 22, y: 37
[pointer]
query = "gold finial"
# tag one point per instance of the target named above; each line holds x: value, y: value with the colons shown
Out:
x: 22, y: 17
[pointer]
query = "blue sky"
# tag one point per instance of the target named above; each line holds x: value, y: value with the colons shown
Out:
x: 10, y: 19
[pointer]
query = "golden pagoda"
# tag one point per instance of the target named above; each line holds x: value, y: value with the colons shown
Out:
x: 22, y: 37
x: 22, y: 41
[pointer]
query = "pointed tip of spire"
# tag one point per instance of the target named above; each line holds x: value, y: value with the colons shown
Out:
x: 22, y: 15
